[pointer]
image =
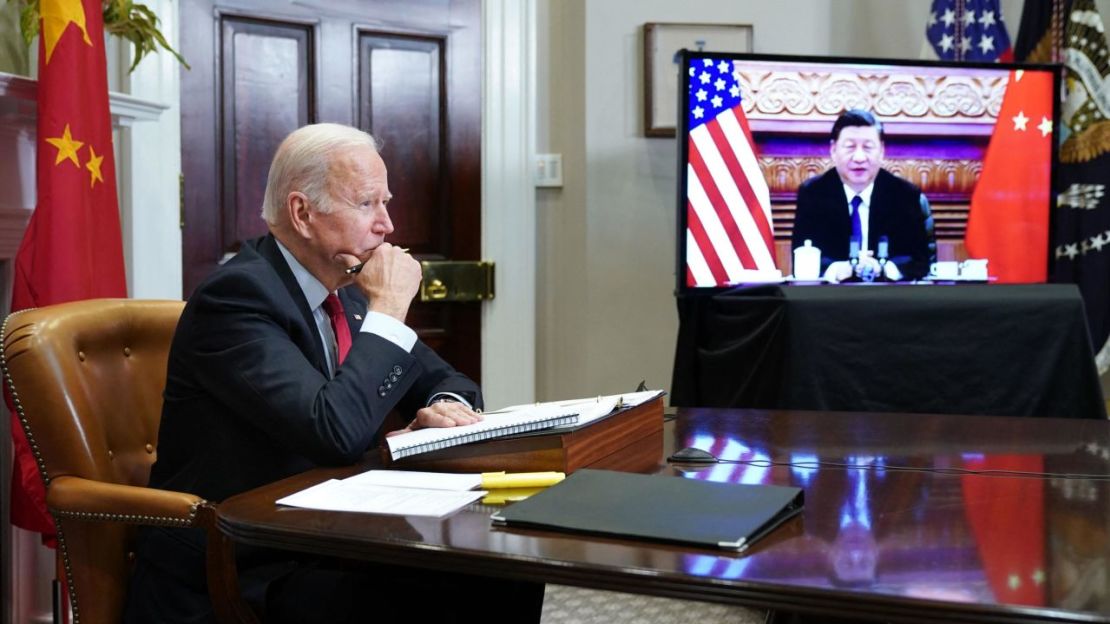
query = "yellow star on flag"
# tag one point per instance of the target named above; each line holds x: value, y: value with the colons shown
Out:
x: 94, y: 168
x: 57, y: 15
x: 67, y: 148
x: 1045, y: 126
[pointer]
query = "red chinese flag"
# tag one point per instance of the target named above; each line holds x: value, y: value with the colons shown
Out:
x: 72, y: 248
x: 1008, y: 223
x: 1006, y: 515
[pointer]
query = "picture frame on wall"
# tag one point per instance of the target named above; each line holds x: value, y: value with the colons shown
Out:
x: 662, y: 42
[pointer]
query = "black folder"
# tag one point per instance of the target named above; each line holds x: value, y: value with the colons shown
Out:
x: 671, y: 509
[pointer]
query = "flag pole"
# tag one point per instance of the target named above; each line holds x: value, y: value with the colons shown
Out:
x: 1057, y: 27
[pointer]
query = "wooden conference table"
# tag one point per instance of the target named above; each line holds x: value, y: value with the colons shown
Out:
x: 908, y: 518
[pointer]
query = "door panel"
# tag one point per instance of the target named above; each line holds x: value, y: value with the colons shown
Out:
x: 266, y: 73
x: 400, y: 85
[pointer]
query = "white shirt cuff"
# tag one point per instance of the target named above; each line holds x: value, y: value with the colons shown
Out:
x: 389, y: 328
x: 450, y: 396
x: 892, y: 271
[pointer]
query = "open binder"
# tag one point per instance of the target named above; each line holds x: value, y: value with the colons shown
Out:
x: 671, y: 509
x: 494, y: 426
x: 630, y: 438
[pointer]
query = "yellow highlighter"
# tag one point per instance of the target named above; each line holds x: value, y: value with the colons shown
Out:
x: 498, y: 480
x: 506, y: 495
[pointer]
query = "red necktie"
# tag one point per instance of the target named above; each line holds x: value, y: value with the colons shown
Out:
x: 334, y: 307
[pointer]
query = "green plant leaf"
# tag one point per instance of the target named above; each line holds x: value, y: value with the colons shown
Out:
x: 136, y: 23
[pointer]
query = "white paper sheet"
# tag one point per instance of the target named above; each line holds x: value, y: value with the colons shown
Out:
x: 458, y: 482
x: 337, y: 495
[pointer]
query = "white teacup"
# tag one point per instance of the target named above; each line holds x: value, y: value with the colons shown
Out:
x: 945, y: 270
x: 974, y: 269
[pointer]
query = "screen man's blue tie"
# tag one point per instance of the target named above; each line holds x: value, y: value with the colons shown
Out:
x: 857, y: 226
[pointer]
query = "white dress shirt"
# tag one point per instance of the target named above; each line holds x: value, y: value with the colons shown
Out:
x: 374, y: 322
x: 864, y: 210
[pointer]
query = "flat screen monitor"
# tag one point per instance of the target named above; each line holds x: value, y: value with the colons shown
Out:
x: 936, y: 172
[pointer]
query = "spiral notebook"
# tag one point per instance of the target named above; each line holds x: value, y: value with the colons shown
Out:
x: 493, y: 425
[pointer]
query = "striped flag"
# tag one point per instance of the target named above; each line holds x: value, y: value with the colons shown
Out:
x: 728, y: 207
x: 968, y: 30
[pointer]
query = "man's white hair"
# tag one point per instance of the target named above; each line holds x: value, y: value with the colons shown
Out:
x: 301, y: 164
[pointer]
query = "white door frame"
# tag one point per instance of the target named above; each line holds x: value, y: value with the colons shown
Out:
x: 509, y: 200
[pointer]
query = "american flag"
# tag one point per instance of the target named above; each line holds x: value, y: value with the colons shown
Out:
x: 968, y: 30
x: 728, y: 206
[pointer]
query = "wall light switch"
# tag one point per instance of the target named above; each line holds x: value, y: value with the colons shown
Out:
x: 549, y: 170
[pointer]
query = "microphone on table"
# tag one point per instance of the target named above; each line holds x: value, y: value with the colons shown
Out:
x: 883, y: 253
x: 853, y: 259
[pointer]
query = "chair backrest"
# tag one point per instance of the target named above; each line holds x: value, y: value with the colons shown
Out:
x: 930, y: 229
x: 87, y: 378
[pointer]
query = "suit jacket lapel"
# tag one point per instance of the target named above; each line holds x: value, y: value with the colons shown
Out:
x: 875, y: 226
x: 354, y: 306
x: 268, y: 249
x: 842, y: 218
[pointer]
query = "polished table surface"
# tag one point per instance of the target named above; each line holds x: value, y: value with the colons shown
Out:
x: 908, y: 517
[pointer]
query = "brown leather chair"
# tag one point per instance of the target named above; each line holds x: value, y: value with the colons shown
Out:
x: 86, y: 379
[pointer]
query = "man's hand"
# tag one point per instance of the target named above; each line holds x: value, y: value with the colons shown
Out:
x: 441, y: 414
x: 389, y: 279
x: 842, y: 269
x: 838, y: 271
x: 868, y: 267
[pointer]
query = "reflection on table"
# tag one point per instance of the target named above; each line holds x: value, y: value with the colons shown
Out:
x: 936, y: 523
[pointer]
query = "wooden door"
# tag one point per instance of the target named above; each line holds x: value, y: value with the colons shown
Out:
x: 407, y: 71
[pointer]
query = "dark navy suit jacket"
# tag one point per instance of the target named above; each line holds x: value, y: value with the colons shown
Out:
x: 898, y: 210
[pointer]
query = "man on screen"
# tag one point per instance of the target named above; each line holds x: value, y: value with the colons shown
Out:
x: 859, y: 201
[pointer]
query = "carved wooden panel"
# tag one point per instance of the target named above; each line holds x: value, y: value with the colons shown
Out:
x: 940, y: 179
x: 773, y: 91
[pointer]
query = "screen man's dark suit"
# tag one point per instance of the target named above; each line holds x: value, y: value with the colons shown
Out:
x: 898, y: 211
x: 248, y: 401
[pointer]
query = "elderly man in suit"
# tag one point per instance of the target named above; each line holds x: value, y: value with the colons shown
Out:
x: 859, y: 200
x: 287, y: 358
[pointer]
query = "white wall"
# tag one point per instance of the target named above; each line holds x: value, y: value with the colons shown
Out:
x: 149, y: 186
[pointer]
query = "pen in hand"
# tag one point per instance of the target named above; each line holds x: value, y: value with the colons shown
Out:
x: 358, y: 267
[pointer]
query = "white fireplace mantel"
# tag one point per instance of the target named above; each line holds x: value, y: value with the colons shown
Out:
x: 18, y: 110
x: 19, y: 95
